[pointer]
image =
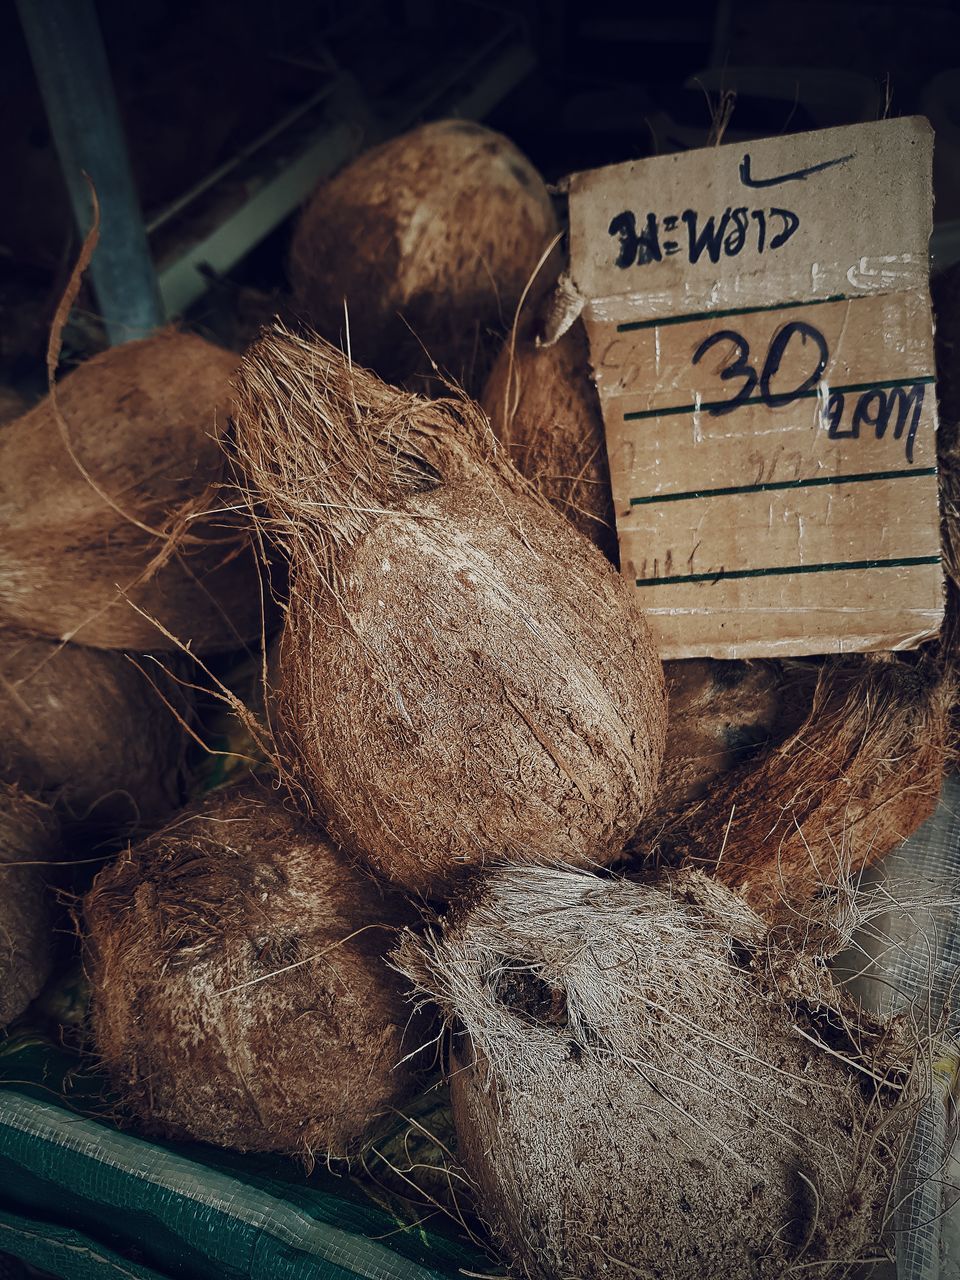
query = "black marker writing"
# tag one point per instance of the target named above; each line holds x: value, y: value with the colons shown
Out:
x: 798, y: 175
x: 709, y: 238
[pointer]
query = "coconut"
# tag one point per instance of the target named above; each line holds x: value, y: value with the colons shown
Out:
x: 239, y: 995
x: 644, y: 1082
x: 28, y: 836
x: 544, y: 407
x: 721, y: 715
x: 87, y: 730
x: 122, y: 500
x: 429, y: 240
x: 861, y: 773
x: 462, y: 675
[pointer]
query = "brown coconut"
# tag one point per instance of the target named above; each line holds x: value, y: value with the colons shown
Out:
x: 239, y: 995
x: 124, y: 500
x: 429, y: 240
x: 721, y: 715
x: 645, y: 1083
x: 463, y: 677
x: 861, y: 773
x: 88, y: 730
x: 29, y: 836
x: 543, y: 405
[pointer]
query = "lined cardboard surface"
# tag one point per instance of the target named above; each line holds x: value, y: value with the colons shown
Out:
x: 761, y: 339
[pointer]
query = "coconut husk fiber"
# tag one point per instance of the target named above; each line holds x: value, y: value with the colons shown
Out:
x: 239, y: 994
x: 124, y: 498
x: 645, y: 1083
x: 543, y: 405
x: 98, y: 737
x: 721, y: 715
x: 429, y: 240
x: 861, y: 773
x: 463, y: 677
x: 29, y: 836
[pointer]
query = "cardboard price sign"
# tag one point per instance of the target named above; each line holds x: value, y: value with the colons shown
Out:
x: 762, y: 343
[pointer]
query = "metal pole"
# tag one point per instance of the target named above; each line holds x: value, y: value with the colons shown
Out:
x: 74, y: 78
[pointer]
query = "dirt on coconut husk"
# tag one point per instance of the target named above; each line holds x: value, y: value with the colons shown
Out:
x: 90, y: 732
x: 29, y: 836
x: 126, y: 502
x: 463, y: 677
x: 643, y: 1080
x: 544, y: 407
x: 239, y: 991
x: 429, y: 240
x: 860, y: 774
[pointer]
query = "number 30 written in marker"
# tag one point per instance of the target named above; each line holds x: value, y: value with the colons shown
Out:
x: 875, y: 407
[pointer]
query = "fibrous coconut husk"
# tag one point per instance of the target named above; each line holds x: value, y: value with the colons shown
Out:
x: 429, y: 240
x: 123, y: 498
x: 645, y: 1083
x: 239, y: 994
x: 721, y: 715
x: 29, y: 835
x: 543, y: 405
x: 463, y: 676
x: 87, y: 730
x: 860, y: 774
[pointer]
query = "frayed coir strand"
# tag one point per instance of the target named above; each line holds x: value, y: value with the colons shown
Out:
x: 617, y: 1046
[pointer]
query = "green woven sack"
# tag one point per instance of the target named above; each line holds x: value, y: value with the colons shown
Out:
x: 79, y: 1199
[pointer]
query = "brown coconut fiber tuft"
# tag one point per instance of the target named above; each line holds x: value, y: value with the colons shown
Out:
x: 645, y: 1084
x: 239, y: 991
x: 89, y: 732
x: 123, y: 498
x: 544, y: 407
x: 858, y: 776
x: 462, y: 675
x: 29, y: 837
x: 429, y: 240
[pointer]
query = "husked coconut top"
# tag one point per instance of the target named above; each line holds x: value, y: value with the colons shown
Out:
x: 643, y: 1079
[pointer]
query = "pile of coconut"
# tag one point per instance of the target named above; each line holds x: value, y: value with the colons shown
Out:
x: 492, y: 835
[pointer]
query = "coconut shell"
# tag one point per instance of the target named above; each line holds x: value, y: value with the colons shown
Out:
x: 29, y: 835
x: 429, y: 239
x: 85, y: 729
x: 124, y: 503
x: 860, y: 774
x: 721, y: 715
x: 645, y: 1083
x: 463, y: 677
x: 543, y: 405
x: 239, y: 995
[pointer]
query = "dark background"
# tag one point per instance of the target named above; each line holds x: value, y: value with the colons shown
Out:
x: 576, y: 85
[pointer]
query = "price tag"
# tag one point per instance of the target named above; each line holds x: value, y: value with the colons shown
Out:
x: 762, y: 343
